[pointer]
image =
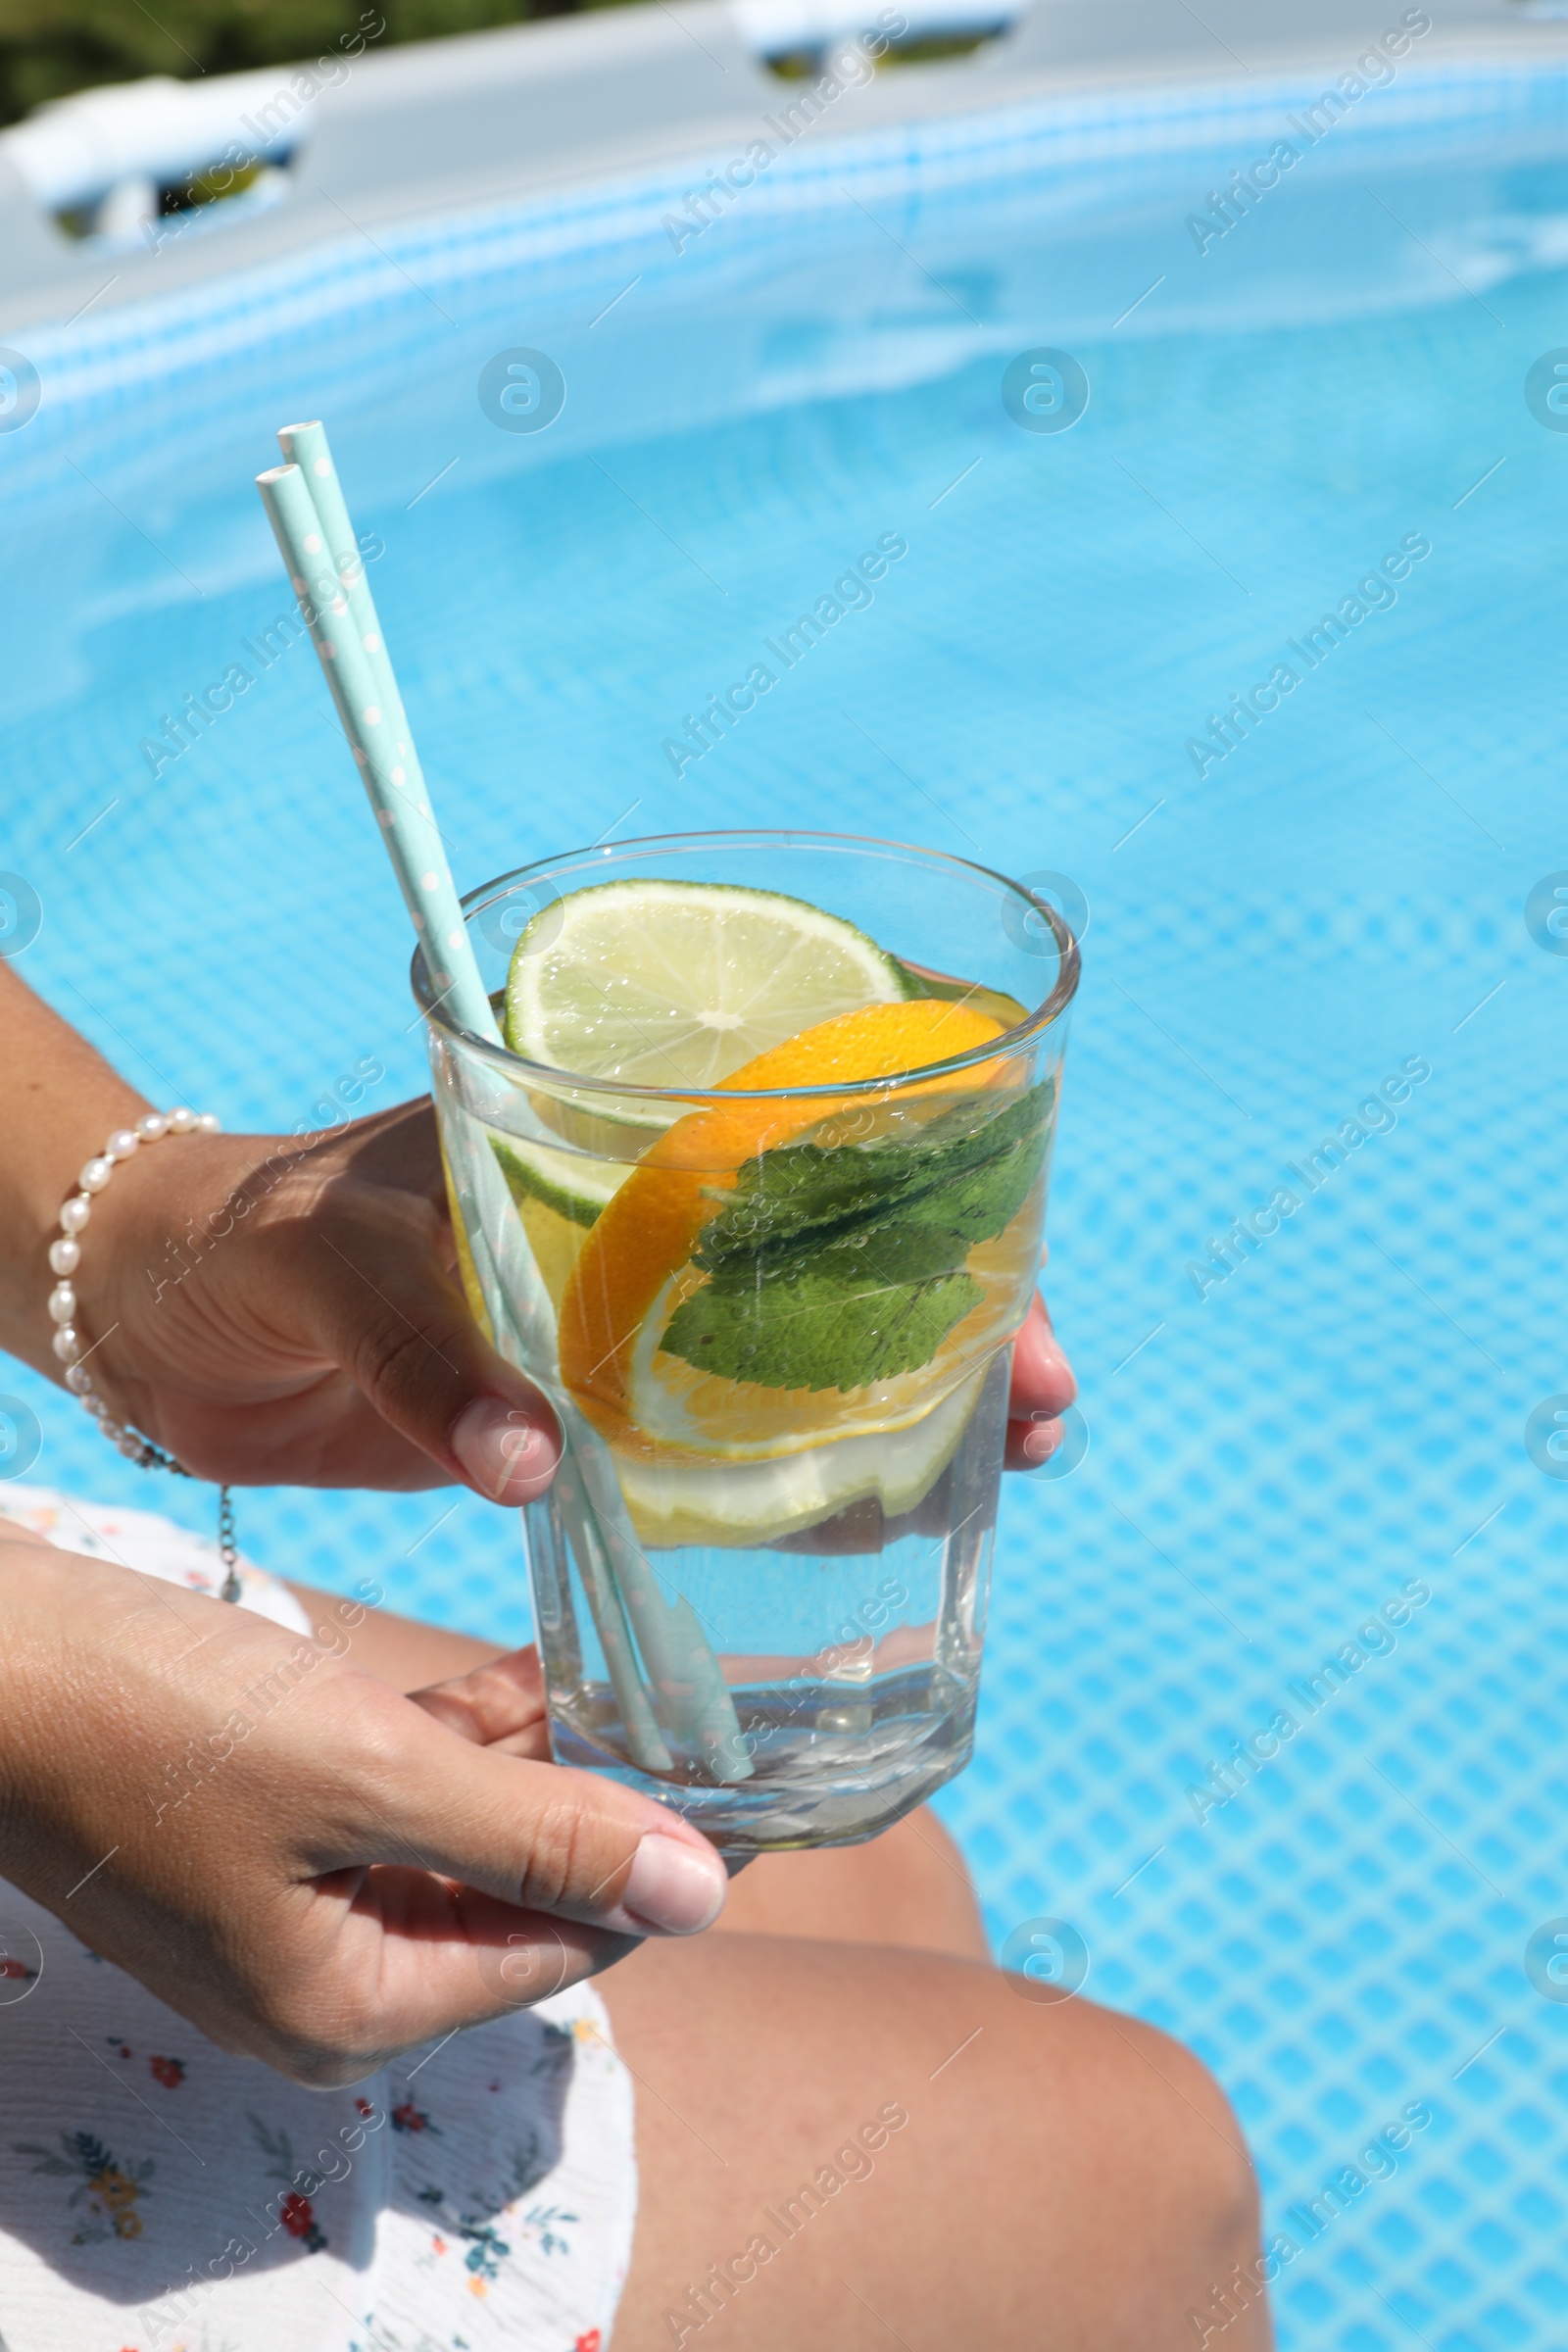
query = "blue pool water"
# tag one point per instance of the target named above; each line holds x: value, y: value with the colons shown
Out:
x: 1341, y: 1417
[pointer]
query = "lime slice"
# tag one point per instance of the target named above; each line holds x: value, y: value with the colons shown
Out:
x: 569, y: 1183
x: 676, y: 984
x: 559, y: 1196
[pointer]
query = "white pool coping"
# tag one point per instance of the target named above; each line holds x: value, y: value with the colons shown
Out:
x: 365, y: 140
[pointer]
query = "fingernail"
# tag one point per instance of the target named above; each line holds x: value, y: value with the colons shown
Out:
x: 499, y: 1450
x: 675, y: 1888
x: 1041, y: 1443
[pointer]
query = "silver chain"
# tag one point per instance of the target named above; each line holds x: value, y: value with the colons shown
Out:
x: 226, y: 1546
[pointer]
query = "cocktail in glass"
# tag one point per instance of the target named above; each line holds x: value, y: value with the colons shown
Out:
x: 772, y: 1298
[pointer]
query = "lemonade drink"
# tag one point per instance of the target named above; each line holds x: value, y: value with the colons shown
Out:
x: 756, y: 1192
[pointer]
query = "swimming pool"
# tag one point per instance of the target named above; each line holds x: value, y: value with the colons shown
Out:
x: 1289, y: 1427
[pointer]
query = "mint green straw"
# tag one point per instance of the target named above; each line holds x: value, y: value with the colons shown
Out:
x: 306, y: 446
x: 305, y: 505
x: 688, y: 1681
x: 348, y: 641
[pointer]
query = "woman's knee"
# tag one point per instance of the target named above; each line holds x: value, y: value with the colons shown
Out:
x: 1089, y: 2171
x: 1204, y: 2154
x: 908, y: 1887
x: 1115, y: 2181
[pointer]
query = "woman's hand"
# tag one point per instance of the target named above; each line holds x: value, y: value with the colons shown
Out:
x: 279, y: 1310
x: 312, y: 1869
x: 283, y: 1311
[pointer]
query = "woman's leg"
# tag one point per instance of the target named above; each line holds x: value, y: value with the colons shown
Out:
x: 400, y: 1650
x: 1059, y: 2176
x: 908, y: 1887
x: 851, y: 2148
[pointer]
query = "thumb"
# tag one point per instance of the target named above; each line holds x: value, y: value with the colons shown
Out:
x: 389, y: 1313
x: 573, y: 1846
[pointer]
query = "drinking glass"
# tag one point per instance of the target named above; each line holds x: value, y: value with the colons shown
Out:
x: 760, y: 1603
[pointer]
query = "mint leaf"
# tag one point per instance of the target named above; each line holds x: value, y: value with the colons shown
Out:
x: 838, y: 1266
x: 807, y: 1330
x: 803, y: 1194
x: 979, y: 1198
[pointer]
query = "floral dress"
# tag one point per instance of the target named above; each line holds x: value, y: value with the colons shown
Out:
x: 159, y: 2194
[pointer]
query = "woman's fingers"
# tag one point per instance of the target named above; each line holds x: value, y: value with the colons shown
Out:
x: 576, y: 1845
x: 381, y: 1304
x: 452, y: 1956
x: 457, y: 1881
x: 1031, y: 1444
x: 500, y: 1704
x: 320, y: 1334
x: 1043, y: 1388
x: 310, y: 1866
x: 1042, y: 1385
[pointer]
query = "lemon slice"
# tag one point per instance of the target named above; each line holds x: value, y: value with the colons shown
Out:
x: 674, y: 1501
x: 679, y: 984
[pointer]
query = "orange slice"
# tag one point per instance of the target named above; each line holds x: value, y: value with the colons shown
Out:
x: 635, y: 1265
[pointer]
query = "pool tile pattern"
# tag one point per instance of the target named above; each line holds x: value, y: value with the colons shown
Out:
x: 1333, y: 1430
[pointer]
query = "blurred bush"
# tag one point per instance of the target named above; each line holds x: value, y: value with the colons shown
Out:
x: 49, y: 47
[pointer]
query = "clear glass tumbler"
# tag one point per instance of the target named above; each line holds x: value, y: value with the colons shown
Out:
x: 761, y: 1594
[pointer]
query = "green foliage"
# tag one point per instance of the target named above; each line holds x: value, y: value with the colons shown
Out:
x: 51, y: 47
x: 835, y: 1269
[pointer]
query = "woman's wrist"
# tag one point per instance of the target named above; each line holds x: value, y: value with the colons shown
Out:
x: 122, y: 1146
x: 62, y: 1099
x: 45, y: 1678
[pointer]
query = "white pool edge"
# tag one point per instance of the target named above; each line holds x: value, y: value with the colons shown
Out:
x: 643, y: 95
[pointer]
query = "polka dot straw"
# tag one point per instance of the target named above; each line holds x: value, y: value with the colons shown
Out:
x: 310, y: 522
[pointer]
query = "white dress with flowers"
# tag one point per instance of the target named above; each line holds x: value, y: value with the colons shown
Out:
x: 158, y: 2195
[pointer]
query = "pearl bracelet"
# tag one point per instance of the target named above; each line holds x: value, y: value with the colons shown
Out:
x: 64, y: 1257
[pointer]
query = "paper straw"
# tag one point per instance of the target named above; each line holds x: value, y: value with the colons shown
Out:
x: 644, y: 1741
x: 315, y: 537
x: 685, y: 1674
x: 688, y: 1682
x: 385, y: 757
x: 306, y: 446
x: 521, y: 1324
